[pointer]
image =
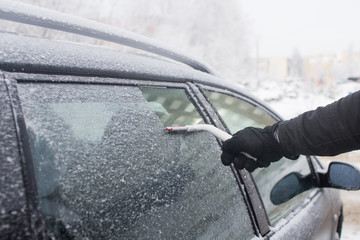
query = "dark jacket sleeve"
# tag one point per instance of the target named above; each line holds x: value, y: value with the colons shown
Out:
x: 326, y: 131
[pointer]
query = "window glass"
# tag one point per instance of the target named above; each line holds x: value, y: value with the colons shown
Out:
x: 172, y: 106
x: 106, y: 168
x: 238, y: 114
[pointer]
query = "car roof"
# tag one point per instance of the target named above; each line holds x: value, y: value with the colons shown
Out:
x: 35, y: 55
x: 42, y: 17
x: 27, y: 54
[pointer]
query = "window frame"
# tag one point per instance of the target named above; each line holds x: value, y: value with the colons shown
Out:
x: 192, y: 91
x: 255, y: 200
x: 34, y: 217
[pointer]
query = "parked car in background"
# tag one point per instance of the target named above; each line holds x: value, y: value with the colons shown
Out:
x: 84, y: 152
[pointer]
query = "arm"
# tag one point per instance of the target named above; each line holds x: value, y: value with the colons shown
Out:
x: 326, y: 131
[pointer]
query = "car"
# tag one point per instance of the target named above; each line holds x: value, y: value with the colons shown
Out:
x: 85, y: 155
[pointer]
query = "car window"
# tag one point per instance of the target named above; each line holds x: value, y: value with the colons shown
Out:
x: 107, y: 169
x: 172, y: 106
x: 238, y: 114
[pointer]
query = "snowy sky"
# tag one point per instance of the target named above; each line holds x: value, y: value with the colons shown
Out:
x: 312, y: 26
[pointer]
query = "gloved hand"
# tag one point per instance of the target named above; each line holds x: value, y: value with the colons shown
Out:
x: 259, y: 143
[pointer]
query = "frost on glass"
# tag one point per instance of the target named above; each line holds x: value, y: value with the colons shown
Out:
x: 172, y: 106
x: 106, y: 169
x: 238, y: 114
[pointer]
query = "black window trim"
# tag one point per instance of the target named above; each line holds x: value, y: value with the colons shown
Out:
x: 242, y: 173
x: 245, y: 179
x: 259, y: 220
x: 27, y: 168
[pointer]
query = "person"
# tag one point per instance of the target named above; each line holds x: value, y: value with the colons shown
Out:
x: 326, y: 131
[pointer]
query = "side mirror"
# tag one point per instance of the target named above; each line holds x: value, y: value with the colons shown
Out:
x: 343, y: 176
x: 339, y: 175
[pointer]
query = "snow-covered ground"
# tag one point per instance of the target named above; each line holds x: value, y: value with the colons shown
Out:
x: 290, y: 99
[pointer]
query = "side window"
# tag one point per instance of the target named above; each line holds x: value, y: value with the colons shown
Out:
x: 238, y: 114
x: 106, y: 168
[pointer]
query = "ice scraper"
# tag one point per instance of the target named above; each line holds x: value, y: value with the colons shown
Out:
x: 220, y: 134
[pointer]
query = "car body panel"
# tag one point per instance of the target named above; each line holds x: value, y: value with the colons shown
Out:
x: 310, y: 221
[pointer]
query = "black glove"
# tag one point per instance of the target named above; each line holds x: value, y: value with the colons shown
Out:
x: 259, y: 143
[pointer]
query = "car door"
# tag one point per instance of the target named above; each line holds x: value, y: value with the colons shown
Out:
x: 105, y: 168
x: 293, y: 217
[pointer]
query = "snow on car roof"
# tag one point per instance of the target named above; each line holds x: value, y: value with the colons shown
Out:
x: 27, y: 14
x: 29, y: 54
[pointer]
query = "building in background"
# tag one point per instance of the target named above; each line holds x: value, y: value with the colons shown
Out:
x: 318, y: 73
